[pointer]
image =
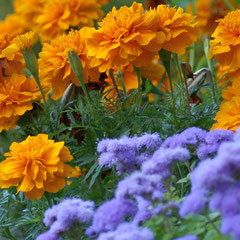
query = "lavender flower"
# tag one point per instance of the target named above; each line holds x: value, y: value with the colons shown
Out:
x: 187, y: 237
x: 62, y: 216
x: 127, y: 231
x: 48, y: 236
x: 212, y: 142
x: 127, y: 153
x: 110, y: 214
x: 190, y: 136
x: 139, y: 184
x: 162, y: 159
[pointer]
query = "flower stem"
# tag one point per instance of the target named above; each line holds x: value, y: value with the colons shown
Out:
x: 228, y: 5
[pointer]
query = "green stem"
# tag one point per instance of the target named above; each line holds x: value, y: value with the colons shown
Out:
x: 228, y: 5
x: 113, y: 80
x: 212, y: 223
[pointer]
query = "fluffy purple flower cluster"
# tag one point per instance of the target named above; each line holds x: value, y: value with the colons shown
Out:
x: 127, y: 153
x: 62, y: 216
x: 215, y: 182
x: 140, y: 195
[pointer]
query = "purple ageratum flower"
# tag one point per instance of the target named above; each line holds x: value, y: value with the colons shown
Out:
x: 139, y: 184
x: 187, y: 237
x: 62, y: 216
x: 194, y: 203
x: 190, y: 136
x: 110, y: 214
x: 127, y: 153
x: 162, y: 159
x: 128, y: 231
x: 212, y: 142
x: 230, y: 225
x: 48, y: 236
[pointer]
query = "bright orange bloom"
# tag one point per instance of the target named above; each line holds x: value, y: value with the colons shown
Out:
x: 58, y: 16
x: 17, y: 93
x: 10, y: 61
x: 226, y: 43
x: 232, y: 90
x: 208, y: 11
x: 228, y: 117
x: 226, y: 74
x: 29, y: 10
x: 36, y: 165
x: 13, y: 25
x: 179, y: 28
x: 125, y: 36
x: 54, y: 66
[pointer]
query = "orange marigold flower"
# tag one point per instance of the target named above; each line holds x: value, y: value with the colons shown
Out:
x: 13, y: 25
x: 228, y: 117
x: 226, y: 43
x: 29, y: 10
x: 179, y: 28
x: 36, y: 165
x: 125, y: 36
x: 10, y: 61
x: 232, y: 90
x: 17, y: 93
x: 54, y: 66
x: 208, y: 11
x: 226, y: 74
x: 58, y: 16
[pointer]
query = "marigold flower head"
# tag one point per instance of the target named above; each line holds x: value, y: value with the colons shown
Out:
x: 13, y: 25
x: 125, y: 36
x: 54, y: 66
x: 208, y: 11
x: 232, y: 90
x: 179, y: 28
x: 226, y: 74
x: 36, y: 165
x: 226, y: 43
x: 58, y: 16
x: 29, y: 10
x: 228, y: 117
x: 17, y: 93
x: 11, y: 61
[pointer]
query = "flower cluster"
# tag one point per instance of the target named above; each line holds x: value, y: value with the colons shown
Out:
x: 62, y: 216
x: 53, y: 18
x: 215, y: 183
x: 132, y: 36
x: 225, y: 48
x: 36, y: 165
x: 54, y: 66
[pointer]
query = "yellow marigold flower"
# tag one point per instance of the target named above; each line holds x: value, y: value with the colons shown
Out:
x: 125, y: 36
x: 226, y: 74
x: 29, y: 10
x: 76, y: 173
x: 22, y: 42
x: 208, y: 11
x: 11, y: 61
x: 58, y: 16
x: 228, y: 117
x: 103, y: 2
x: 13, y: 25
x: 232, y: 90
x: 36, y: 165
x: 226, y: 43
x: 54, y: 66
x: 179, y: 28
x: 17, y: 93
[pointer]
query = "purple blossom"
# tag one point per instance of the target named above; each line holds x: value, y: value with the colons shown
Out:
x: 212, y: 142
x: 48, y: 236
x: 190, y: 136
x: 110, y: 214
x: 230, y: 225
x: 139, y: 184
x: 62, y: 216
x: 187, y: 237
x: 127, y: 231
x: 162, y: 159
